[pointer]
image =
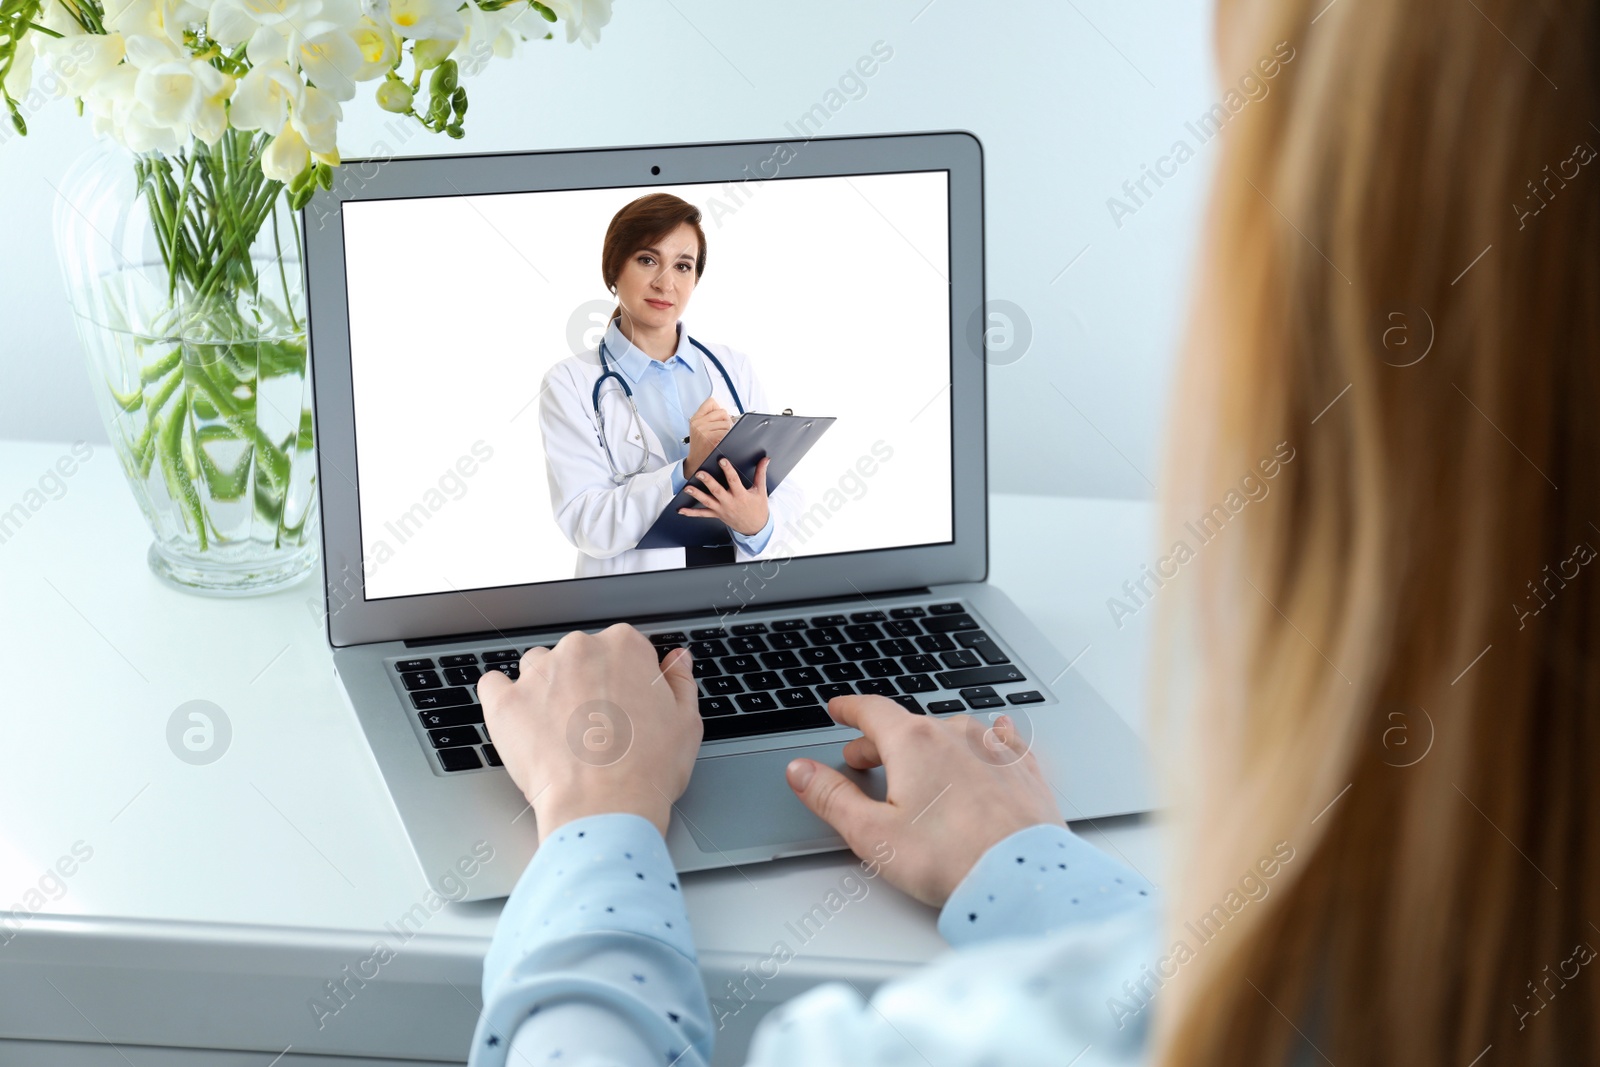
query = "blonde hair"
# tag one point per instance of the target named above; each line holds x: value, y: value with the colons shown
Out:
x: 1418, y: 574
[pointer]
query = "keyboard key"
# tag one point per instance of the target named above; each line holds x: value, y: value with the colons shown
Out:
x: 740, y: 664
x: 896, y: 646
x: 454, y: 736
x: 510, y: 670
x: 882, y: 687
x: 420, y: 680
x: 803, y: 676
x: 902, y: 628
x: 826, y: 635
x: 981, y: 696
x: 492, y: 756
x: 947, y: 705
x: 724, y: 686
x: 745, y: 629
x: 787, y: 640
x: 706, y: 668
x: 983, y: 645
x: 797, y: 697
x: 961, y: 657
x: 662, y: 650
x: 826, y: 693
x: 843, y: 672
x: 747, y: 645
x: 704, y: 648
x: 916, y: 683
x: 935, y: 642
x: 909, y: 703
x: 671, y: 637
x: 414, y: 665
x: 466, y: 659
x: 979, y: 676
x: 763, y: 680
x: 907, y: 613
x: 866, y: 616
x: 502, y: 656
x: 781, y: 660
x: 462, y: 675
x: 858, y: 650
x: 713, y: 706
x: 710, y: 633
x: 771, y: 722
x: 1027, y: 696
x: 441, y: 698
x: 866, y: 631
x: 816, y: 657
x: 948, y: 623
x: 919, y: 664
x: 459, y: 759
x: 789, y: 624
x: 756, y: 701
x: 881, y: 668
x: 827, y: 620
x: 951, y: 608
x: 451, y: 717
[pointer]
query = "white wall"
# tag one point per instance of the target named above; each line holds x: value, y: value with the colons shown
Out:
x: 1069, y: 99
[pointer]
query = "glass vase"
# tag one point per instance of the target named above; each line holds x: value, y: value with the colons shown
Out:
x: 183, y: 274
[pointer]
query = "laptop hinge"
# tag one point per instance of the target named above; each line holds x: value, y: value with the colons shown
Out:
x: 646, y: 620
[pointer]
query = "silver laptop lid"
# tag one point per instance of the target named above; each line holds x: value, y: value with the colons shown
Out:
x: 456, y: 306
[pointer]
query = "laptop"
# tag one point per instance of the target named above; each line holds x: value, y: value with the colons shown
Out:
x: 453, y: 301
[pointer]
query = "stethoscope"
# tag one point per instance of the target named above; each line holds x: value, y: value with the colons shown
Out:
x: 644, y: 454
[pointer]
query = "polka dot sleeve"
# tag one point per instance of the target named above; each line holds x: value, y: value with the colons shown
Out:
x: 593, y: 961
x: 1037, y: 880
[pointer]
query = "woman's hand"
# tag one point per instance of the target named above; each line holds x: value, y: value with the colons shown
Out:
x: 708, y: 425
x: 956, y: 787
x: 595, y: 725
x: 743, y: 509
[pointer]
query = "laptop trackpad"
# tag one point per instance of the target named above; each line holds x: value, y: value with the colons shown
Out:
x: 744, y: 801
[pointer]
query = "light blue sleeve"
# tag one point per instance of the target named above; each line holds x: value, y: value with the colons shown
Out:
x: 1035, y: 881
x: 678, y: 480
x: 592, y: 961
x: 756, y: 543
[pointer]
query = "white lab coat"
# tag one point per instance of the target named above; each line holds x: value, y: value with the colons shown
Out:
x: 605, y: 520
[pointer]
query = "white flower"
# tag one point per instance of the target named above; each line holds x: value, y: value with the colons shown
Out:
x: 379, y: 48
x: 493, y: 33
x: 186, y: 94
x: 164, y: 19
x: 583, y: 18
x: 286, y: 156
x: 264, y: 97
x: 20, y: 77
x: 316, y: 119
x: 426, y: 19
x: 117, y: 112
x: 80, y: 60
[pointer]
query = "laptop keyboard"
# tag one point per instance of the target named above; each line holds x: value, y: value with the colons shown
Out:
x: 758, y: 678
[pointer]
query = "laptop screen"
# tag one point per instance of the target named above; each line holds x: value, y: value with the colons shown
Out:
x: 511, y: 430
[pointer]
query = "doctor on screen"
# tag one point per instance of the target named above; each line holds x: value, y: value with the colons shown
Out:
x: 615, y: 420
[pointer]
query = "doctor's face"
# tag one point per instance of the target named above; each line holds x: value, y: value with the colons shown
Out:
x: 657, y: 281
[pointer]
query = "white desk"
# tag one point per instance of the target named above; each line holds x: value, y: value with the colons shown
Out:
x: 219, y: 899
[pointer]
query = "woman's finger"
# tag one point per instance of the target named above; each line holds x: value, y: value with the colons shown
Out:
x: 862, y: 753
x: 699, y: 513
x: 760, y: 480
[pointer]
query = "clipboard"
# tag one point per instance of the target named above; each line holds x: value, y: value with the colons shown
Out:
x: 784, y: 438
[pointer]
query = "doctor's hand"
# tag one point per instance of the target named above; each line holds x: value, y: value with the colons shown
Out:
x: 743, y: 509
x: 595, y: 725
x: 957, y: 785
x: 707, y: 427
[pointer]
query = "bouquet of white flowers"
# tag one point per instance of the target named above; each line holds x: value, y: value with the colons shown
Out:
x: 230, y: 111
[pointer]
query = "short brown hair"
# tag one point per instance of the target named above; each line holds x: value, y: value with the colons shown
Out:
x: 642, y: 222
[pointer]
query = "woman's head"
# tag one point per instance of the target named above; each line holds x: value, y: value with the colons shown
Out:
x: 1398, y: 668
x: 653, y: 256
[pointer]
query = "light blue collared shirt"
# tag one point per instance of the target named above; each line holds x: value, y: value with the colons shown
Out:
x: 593, y: 963
x: 667, y: 392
